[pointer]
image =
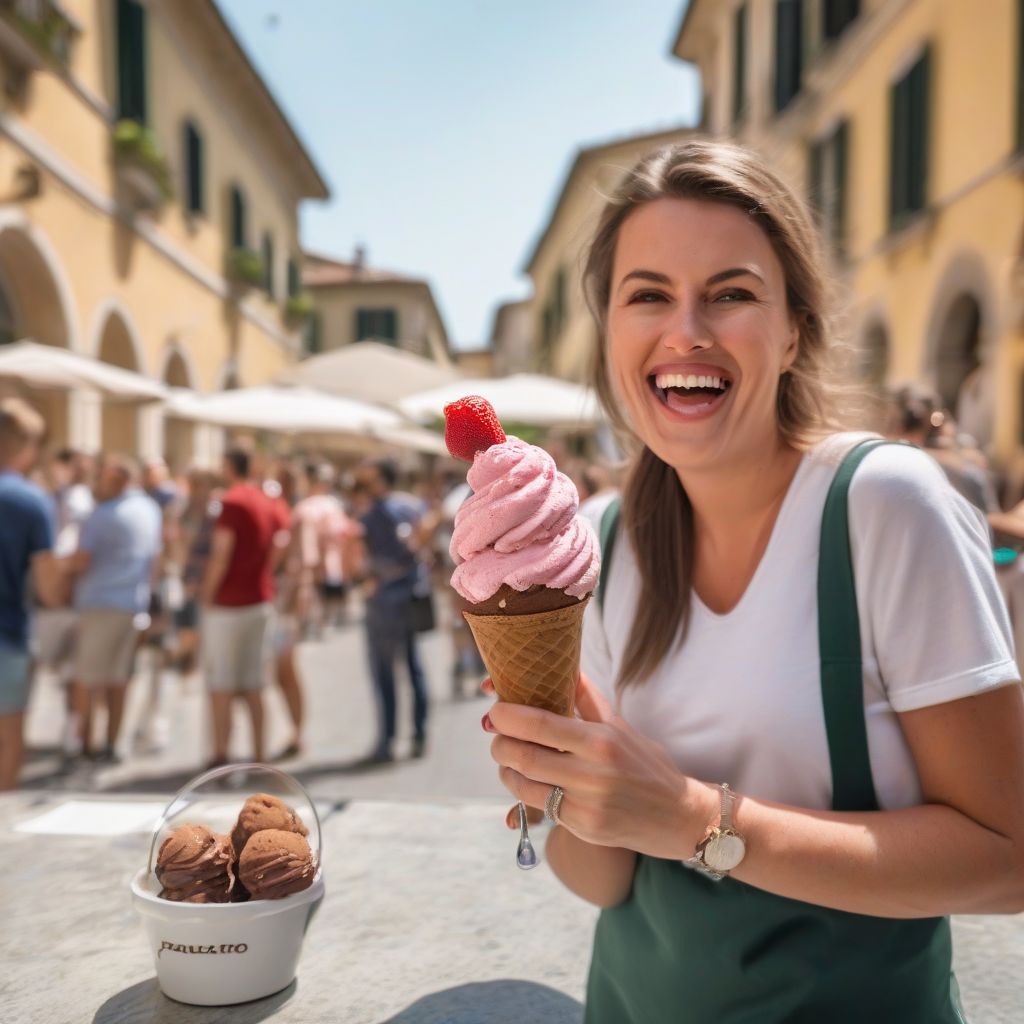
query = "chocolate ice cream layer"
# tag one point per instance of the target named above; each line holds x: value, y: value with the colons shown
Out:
x: 262, y: 811
x: 507, y: 601
x: 195, y: 861
x: 275, y: 863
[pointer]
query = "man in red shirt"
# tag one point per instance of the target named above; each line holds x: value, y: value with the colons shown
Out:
x: 250, y: 536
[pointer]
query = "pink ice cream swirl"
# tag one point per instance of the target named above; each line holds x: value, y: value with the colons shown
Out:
x: 520, y: 527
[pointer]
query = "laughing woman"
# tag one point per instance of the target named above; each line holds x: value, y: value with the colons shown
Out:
x: 800, y: 732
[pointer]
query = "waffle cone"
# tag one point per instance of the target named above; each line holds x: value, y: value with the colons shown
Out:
x: 533, y: 659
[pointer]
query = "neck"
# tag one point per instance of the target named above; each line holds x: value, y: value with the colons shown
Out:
x: 733, y: 500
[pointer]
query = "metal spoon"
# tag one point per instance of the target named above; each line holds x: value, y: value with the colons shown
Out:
x: 526, y: 856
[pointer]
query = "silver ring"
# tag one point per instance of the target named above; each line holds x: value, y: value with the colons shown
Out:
x: 553, y: 804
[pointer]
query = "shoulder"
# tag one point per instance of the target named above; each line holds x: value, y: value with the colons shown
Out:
x: 899, y: 476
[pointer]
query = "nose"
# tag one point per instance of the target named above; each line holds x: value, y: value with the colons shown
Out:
x: 687, y: 330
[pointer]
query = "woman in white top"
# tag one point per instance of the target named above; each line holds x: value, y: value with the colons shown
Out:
x: 868, y: 794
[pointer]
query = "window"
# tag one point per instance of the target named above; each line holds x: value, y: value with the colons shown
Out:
x: 739, y: 63
x: 131, y: 60
x: 908, y: 143
x: 267, y: 252
x: 236, y: 212
x: 294, y: 280
x: 193, y: 142
x: 829, y: 160
x: 559, y: 301
x: 837, y: 16
x: 789, y: 46
x: 312, y: 335
x: 378, y: 324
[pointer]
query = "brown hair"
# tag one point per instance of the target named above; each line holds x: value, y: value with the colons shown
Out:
x: 656, y: 512
x: 20, y: 425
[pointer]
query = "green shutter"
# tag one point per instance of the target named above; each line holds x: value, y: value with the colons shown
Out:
x: 362, y: 324
x: 131, y: 61
x: 909, y: 142
x: 194, y: 198
x: 238, y: 232
x: 789, y: 46
x: 268, y: 264
x: 313, y: 333
x: 838, y: 14
x: 739, y: 63
x: 920, y: 115
x: 840, y: 157
x: 294, y: 285
x: 815, y: 176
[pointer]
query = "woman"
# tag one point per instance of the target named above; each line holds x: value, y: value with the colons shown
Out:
x: 858, y: 813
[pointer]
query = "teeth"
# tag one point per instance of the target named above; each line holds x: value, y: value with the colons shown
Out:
x: 682, y: 380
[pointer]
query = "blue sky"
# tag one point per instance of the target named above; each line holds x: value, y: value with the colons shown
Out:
x: 445, y: 127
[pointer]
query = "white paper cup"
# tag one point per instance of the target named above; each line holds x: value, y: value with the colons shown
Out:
x: 213, y: 954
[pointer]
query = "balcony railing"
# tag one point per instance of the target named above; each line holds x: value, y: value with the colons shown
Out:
x: 34, y: 34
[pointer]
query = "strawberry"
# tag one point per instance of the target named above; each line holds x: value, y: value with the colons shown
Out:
x: 470, y: 426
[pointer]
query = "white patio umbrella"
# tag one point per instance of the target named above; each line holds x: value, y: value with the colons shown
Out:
x: 371, y: 372
x: 46, y: 366
x: 521, y: 398
x: 283, y: 410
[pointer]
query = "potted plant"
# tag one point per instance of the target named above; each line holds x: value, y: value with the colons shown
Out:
x: 298, y: 307
x: 245, y: 267
x: 141, y: 163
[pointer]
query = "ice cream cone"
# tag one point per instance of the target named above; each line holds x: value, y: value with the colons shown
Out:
x: 534, y: 658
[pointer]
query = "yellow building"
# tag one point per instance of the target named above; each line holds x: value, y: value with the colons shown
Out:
x: 903, y: 121
x: 355, y: 302
x: 149, y: 187
x: 562, y: 331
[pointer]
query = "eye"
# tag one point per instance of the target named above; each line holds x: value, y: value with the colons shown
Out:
x: 733, y: 295
x: 647, y: 296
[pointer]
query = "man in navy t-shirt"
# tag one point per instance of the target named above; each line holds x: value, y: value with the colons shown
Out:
x: 391, y: 534
x: 26, y: 543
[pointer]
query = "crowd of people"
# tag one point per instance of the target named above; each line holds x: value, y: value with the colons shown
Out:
x: 224, y: 573
x: 111, y: 570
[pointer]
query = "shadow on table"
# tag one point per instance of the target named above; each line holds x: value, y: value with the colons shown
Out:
x: 492, y: 1002
x: 145, y: 1002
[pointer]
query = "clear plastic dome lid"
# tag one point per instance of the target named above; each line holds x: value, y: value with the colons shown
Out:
x: 216, y: 797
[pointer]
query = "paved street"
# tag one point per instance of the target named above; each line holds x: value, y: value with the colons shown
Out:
x: 419, y: 858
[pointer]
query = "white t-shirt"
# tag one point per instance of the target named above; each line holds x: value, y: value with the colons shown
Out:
x: 740, y: 700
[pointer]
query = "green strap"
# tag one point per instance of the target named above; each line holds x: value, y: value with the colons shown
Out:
x: 842, y: 674
x: 609, y: 531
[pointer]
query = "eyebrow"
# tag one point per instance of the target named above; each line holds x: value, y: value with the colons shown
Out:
x: 722, y: 275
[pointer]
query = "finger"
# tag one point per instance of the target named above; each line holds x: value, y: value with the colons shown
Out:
x: 541, y: 764
x: 592, y: 704
x: 535, y: 725
x: 533, y: 794
x: 534, y: 816
x: 487, y: 686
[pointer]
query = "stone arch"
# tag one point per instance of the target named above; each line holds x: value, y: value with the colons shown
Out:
x: 35, y: 284
x: 117, y: 343
x: 962, y: 333
x: 179, y: 436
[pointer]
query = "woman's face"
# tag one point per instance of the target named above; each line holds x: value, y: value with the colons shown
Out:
x: 699, y: 331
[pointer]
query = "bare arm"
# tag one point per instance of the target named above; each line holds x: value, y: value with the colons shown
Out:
x: 961, y: 851
x: 221, y: 548
x: 602, y: 875
x: 1009, y: 523
x: 51, y: 582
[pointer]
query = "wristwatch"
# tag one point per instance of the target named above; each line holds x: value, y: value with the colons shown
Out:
x: 723, y: 848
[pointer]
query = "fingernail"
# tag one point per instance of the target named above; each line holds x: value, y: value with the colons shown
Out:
x: 487, y: 724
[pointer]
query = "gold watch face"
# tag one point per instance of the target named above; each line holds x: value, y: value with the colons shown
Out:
x: 724, y: 851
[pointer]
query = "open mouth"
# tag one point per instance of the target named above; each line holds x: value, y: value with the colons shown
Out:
x: 688, y: 393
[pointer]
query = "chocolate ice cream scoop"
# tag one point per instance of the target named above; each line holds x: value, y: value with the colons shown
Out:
x: 276, y: 863
x: 194, y: 865
x: 262, y: 811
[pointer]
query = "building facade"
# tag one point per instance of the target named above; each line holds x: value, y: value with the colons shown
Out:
x: 511, y: 341
x: 354, y: 302
x: 903, y: 121
x: 561, y: 329
x: 149, y: 187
